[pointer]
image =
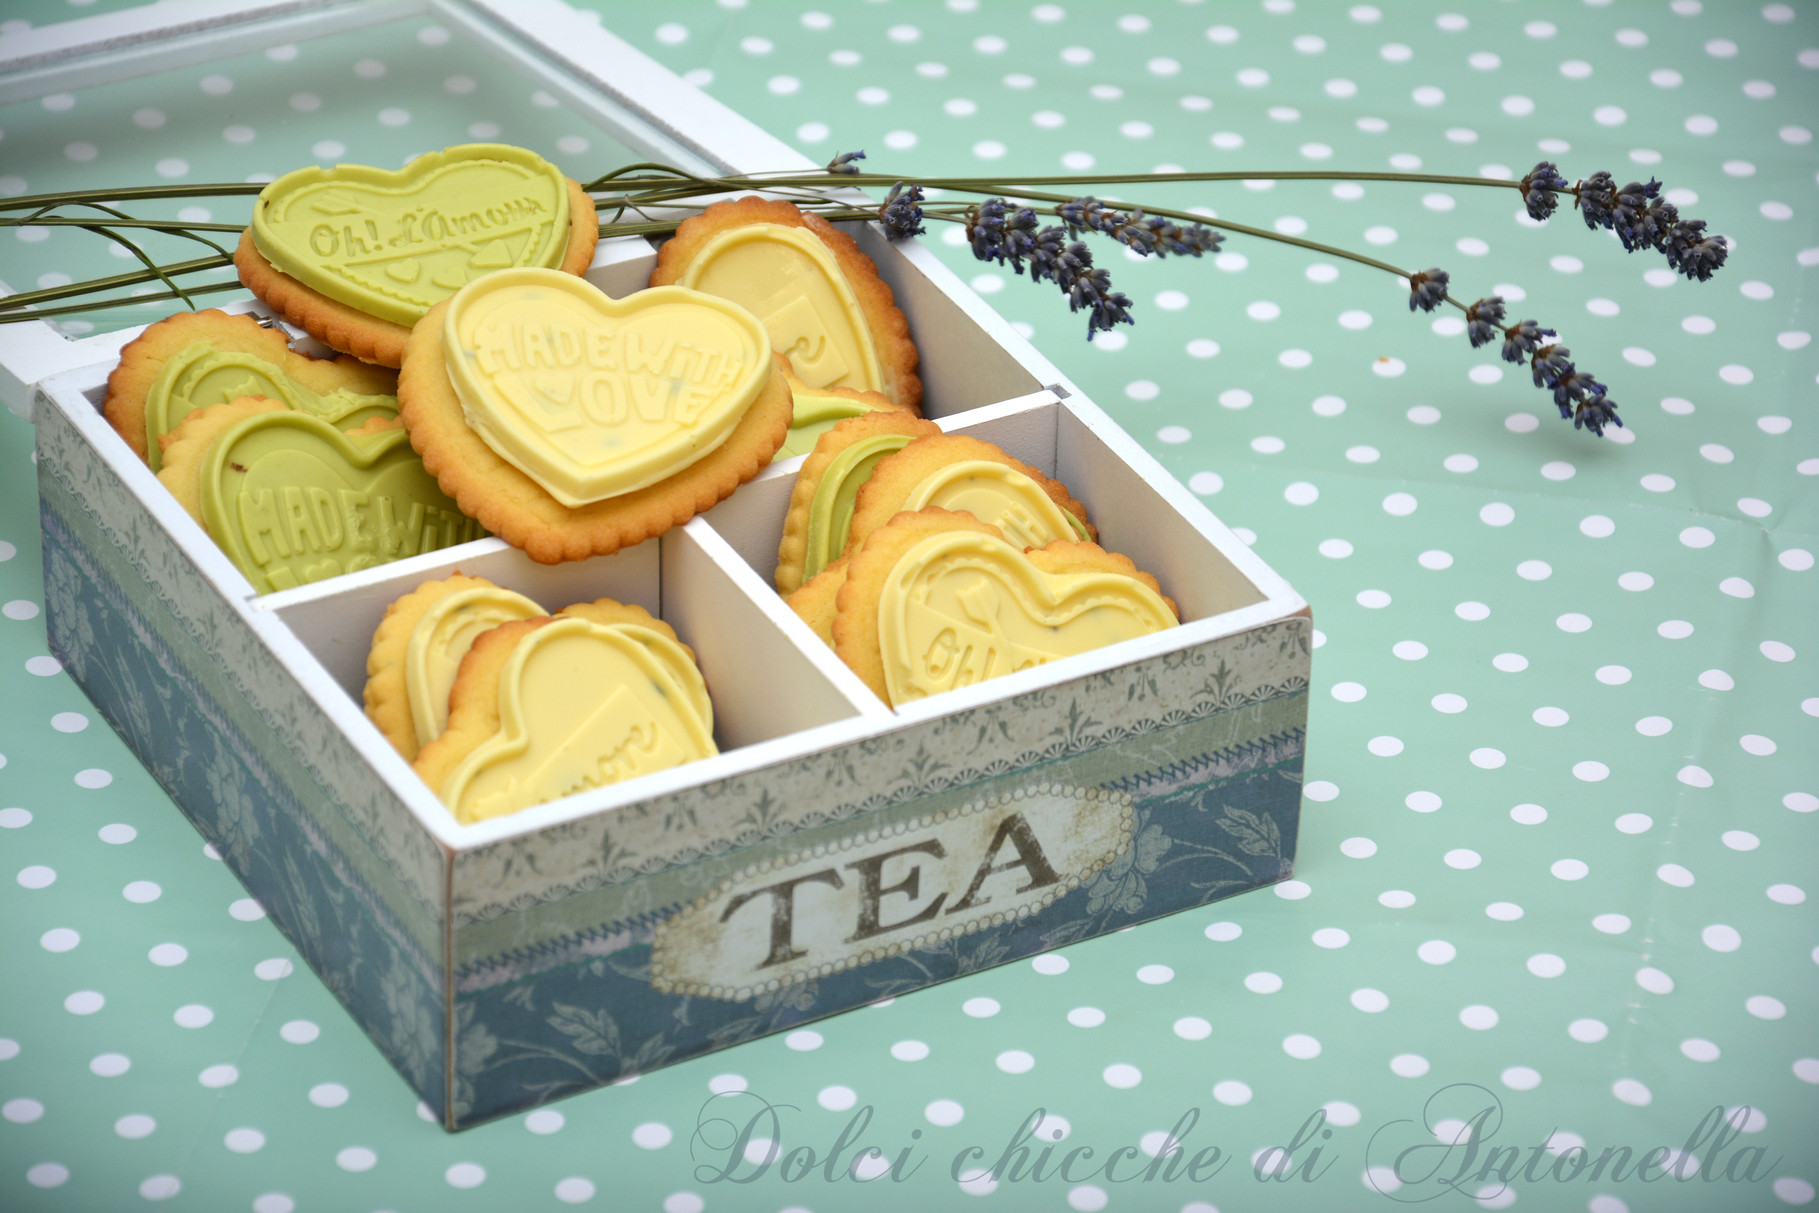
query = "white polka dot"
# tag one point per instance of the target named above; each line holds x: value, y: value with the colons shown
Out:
x: 1331, y: 937
x: 1488, y: 758
x: 1546, y: 964
x: 1674, y: 629
x: 110, y: 1065
x: 1694, y: 776
x: 37, y: 876
x: 142, y: 891
x: 574, y: 1190
x: 1631, y: 1092
x: 1787, y: 894
x: 1409, y: 650
x: 1740, y: 840
x: 1437, y: 952
x: 1472, y: 612
x: 1449, y: 703
x: 1776, y: 650
x: 1435, y: 559
x: 1016, y: 1061
x: 167, y: 955
x: 1396, y: 899
x: 1569, y: 869
x: 59, y: 939
x: 1674, y: 874
x: 1385, y: 747
x: 1422, y: 802
x: 356, y: 1158
x: 1800, y: 802
x: 1301, y: 493
x: 1762, y: 1006
x: 194, y: 1015
x: 1263, y: 983
x: 1587, y: 1031
x: 1591, y: 772
x: 1611, y: 924
x: 1358, y: 848
x: 246, y: 910
x: 219, y: 1076
x: 1398, y: 505
x: 1122, y: 1076
x: 1479, y: 1017
x: 1374, y: 600
x: 299, y: 1031
x: 1408, y: 1065
x: 1292, y: 890
x: 1223, y: 932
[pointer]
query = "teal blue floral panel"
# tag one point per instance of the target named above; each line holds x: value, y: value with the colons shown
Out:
x: 1204, y: 809
x: 226, y: 784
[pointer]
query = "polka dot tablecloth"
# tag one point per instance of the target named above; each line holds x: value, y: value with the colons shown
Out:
x: 1550, y: 941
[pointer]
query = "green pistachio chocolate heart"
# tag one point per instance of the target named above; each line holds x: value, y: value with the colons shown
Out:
x: 291, y: 500
x: 830, y: 510
x: 203, y: 375
x: 395, y: 244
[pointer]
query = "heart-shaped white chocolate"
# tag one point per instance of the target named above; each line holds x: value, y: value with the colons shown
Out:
x: 582, y: 705
x: 594, y: 397
x: 963, y: 606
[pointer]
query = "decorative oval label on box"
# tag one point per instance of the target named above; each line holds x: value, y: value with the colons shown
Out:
x: 889, y: 889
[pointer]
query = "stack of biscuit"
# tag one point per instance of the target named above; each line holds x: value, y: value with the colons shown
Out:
x: 931, y: 561
x: 499, y: 706
x: 567, y: 423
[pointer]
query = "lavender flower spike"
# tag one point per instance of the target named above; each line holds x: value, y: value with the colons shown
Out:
x: 1539, y: 187
x: 1596, y: 412
x: 1484, y: 321
x: 901, y: 213
x: 844, y: 162
x: 1427, y: 290
x: 1522, y: 339
x: 1597, y: 195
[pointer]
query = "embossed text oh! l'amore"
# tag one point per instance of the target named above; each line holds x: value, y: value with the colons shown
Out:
x: 888, y: 890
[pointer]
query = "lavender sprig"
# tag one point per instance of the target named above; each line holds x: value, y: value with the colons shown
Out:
x: 1638, y: 213
x: 1003, y: 228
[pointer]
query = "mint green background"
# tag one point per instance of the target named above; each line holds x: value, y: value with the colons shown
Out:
x: 1740, y: 457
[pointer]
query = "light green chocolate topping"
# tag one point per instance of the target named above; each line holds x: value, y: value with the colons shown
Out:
x: 830, y: 511
x: 203, y: 375
x: 395, y: 244
x: 291, y: 499
x: 815, y: 416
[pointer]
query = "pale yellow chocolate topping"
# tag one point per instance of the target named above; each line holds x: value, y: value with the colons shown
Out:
x: 594, y: 397
x: 432, y: 656
x: 791, y: 282
x: 1001, y: 495
x: 961, y: 607
x: 581, y: 705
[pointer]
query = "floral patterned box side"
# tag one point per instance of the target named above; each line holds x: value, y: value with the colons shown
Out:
x: 835, y: 851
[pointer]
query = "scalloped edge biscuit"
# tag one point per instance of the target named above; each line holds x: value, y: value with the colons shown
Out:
x: 186, y: 448
x: 143, y: 358
x: 341, y: 326
x: 517, y: 509
x: 473, y: 702
x: 855, y: 625
x: 814, y: 600
x: 386, y: 695
x: 897, y: 356
x: 882, y: 496
x: 792, y: 549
